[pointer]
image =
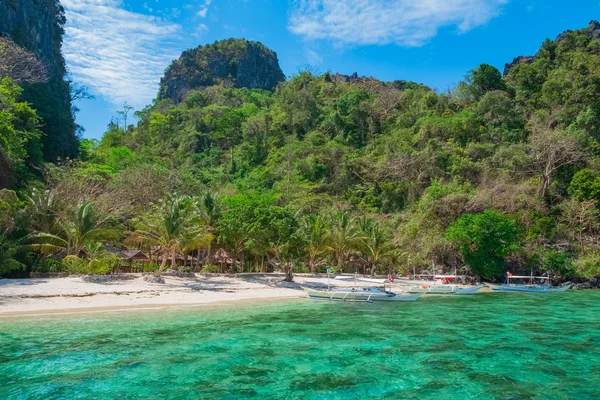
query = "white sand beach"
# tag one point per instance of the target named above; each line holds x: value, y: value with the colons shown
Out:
x: 74, y: 294
x: 31, y: 296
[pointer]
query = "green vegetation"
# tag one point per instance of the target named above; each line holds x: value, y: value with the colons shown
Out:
x: 327, y: 170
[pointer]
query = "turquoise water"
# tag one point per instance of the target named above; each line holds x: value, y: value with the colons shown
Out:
x: 488, y: 346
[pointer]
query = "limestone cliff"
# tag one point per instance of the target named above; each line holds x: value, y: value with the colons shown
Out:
x: 37, y: 26
x: 235, y: 62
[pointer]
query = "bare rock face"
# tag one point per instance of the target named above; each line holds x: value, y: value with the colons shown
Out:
x: 517, y: 61
x: 38, y: 27
x: 233, y: 62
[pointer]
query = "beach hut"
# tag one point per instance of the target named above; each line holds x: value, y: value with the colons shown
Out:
x: 222, y: 258
x: 131, y: 257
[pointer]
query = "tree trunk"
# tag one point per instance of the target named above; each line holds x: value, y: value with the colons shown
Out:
x: 340, y: 262
x: 207, y: 260
x: 242, y: 263
x: 198, y: 260
x: 174, y: 261
x: 289, y: 277
x: 163, y: 264
x: 313, y: 266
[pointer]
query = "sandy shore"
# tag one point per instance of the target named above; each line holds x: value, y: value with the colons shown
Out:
x: 74, y: 294
x: 34, y: 296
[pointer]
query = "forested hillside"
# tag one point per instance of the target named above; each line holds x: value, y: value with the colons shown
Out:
x: 501, y: 173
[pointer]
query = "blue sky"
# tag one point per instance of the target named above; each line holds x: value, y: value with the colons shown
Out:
x: 119, y: 49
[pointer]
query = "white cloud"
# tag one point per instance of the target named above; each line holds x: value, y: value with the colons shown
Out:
x: 403, y: 22
x: 313, y: 57
x: 119, y: 54
x: 204, y: 10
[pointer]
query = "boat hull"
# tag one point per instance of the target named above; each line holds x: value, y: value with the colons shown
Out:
x: 444, y: 290
x: 360, y: 295
x: 531, y: 289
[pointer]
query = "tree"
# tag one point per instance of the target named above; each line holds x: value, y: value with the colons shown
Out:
x: 485, y: 78
x: 550, y: 150
x: 19, y: 64
x: 124, y: 114
x: 585, y: 185
x: 376, y: 245
x: 315, y: 232
x: 345, y: 236
x: 73, y: 231
x: 96, y: 261
x: 484, y: 240
x: 580, y: 217
x: 10, y: 210
x: 19, y: 133
x: 170, y: 225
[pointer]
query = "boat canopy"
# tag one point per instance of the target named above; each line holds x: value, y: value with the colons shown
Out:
x: 528, y: 277
x: 380, y: 281
x: 350, y: 277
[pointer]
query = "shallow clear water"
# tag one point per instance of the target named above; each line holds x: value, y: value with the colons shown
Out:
x: 487, y: 346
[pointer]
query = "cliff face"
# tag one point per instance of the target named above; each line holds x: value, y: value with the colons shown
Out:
x: 237, y: 62
x: 37, y: 26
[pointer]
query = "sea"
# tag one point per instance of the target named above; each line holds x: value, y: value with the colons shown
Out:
x: 485, y: 346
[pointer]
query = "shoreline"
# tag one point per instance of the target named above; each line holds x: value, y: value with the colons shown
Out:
x: 141, y: 307
x: 43, y: 296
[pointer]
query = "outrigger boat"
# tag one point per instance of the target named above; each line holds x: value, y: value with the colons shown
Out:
x: 360, y: 294
x: 441, y: 285
x: 530, y: 287
x: 444, y: 289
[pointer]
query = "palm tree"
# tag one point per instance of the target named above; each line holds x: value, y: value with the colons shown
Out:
x: 345, y: 236
x: 316, y: 234
x: 43, y: 210
x: 198, y: 240
x: 97, y: 260
x: 170, y: 225
x: 376, y: 246
x: 209, y: 208
x: 72, y: 232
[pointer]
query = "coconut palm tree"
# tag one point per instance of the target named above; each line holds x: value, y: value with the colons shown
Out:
x: 73, y: 231
x: 169, y: 225
x: 345, y: 236
x: 97, y: 260
x: 209, y: 208
x: 376, y: 246
x: 315, y: 232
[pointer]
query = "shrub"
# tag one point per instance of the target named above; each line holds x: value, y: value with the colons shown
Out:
x: 211, y: 269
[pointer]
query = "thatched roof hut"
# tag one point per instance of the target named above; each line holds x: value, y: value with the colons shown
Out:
x: 134, y: 255
x: 221, y: 257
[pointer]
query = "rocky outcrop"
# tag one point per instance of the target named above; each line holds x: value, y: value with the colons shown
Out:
x: 235, y: 62
x: 37, y: 26
x: 517, y: 61
x: 592, y: 32
x: 582, y: 283
x: 152, y: 278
